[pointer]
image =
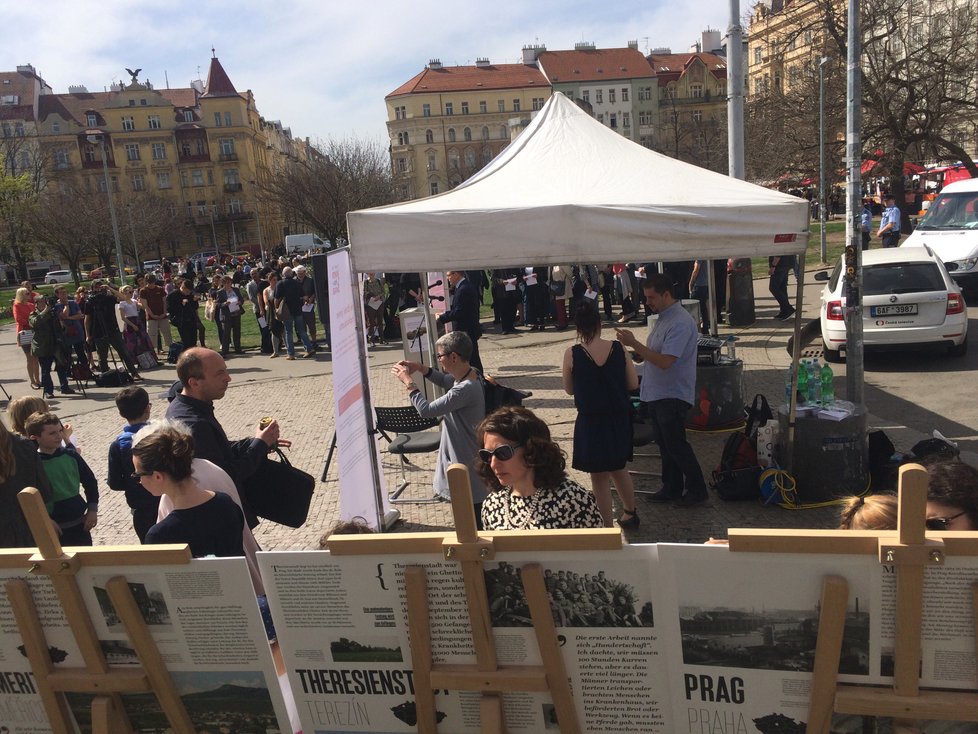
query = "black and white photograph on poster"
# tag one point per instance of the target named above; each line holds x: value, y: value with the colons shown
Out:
x: 737, y: 616
x: 147, y: 592
x: 118, y: 652
x: 366, y: 650
x: 578, y: 598
x: 222, y: 701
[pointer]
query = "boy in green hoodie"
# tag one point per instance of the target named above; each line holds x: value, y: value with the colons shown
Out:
x: 66, y: 471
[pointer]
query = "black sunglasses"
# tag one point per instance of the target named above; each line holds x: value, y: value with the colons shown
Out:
x: 940, y: 523
x: 503, y: 453
x: 137, y: 475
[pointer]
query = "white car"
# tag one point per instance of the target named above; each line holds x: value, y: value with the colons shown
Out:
x: 908, y: 300
x: 58, y: 276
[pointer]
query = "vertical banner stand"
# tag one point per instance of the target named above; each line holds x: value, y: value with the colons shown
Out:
x: 96, y: 677
x: 470, y: 549
x: 909, y: 550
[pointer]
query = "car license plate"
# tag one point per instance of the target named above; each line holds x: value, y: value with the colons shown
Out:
x: 897, y: 309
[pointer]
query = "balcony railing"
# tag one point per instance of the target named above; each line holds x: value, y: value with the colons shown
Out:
x: 230, y: 188
x: 229, y: 156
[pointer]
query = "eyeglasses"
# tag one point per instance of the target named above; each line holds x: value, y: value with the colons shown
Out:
x: 137, y: 475
x: 443, y: 355
x: 941, y: 523
x: 503, y: 453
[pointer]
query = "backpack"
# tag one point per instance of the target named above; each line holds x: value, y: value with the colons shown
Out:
x: 737, y: 477
x: 117, y: 377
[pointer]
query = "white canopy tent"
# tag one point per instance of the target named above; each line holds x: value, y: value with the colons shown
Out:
x: 567, y: 190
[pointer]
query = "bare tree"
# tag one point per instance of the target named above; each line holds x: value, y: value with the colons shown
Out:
x: 339, y: 177
x: 148, y: 221
x: 919, y: 80
x: 73, y: 221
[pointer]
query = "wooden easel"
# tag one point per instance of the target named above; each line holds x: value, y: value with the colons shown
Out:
x: 96, y: 677
x: 470, y: 549
x: 910, y: 549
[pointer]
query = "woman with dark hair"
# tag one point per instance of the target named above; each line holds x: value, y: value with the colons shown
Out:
x: 952, y: 496
x: 20, y: 467
x: 525, y: 472
x: 209, y: 522
x: 599, y: 375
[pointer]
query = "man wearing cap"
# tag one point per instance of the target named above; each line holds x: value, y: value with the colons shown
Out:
x: 889, y: 231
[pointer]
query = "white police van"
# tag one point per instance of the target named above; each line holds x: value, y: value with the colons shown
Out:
x: 950, y: 229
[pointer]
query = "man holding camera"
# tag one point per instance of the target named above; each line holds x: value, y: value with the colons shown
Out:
x: 102, y: 329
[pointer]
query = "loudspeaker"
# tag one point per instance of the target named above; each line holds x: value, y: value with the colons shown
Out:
x: 319, y: 279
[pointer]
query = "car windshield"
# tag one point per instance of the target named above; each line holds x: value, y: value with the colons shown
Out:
x: 914, y: 277
x: 952, y: 211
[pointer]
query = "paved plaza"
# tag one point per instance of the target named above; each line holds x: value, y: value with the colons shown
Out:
x: 299, y: 395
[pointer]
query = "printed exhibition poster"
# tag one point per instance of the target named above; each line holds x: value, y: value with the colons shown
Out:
x: 342, y: 625
x: 206, y: 623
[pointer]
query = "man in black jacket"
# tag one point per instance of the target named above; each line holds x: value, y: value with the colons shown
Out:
x: 205, y: 379
x: 464, y: 313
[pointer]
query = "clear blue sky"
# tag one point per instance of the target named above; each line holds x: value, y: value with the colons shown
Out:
x: 322, y: 67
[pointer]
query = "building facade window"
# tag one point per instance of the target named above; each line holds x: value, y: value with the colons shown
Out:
x: 485, y: 132
x: 218, y: 119
x: 401, y: 165
x: 201, y: 148
x: 231, y: 177
x: 451, y: 135
x: 626, y: 119
x: 159, y: 151
x: 644, y: 94
x: 429, y: 136
x: 758, y: 54
x: 431, y: 162
x: 92, y: 119
x: 128, y: 123
x: 467, y: 133
x: 644, y: 118
x: 470, y: 158
x: 132, y: 151
x: 227, y: 119
x: 138, y: 184
x: 234, y: 206
x: 197, y: 176
x: 696, y: 90
x: 503, y: 132
x: 538, y: 103
x: 611, y: 96
x: 188, y: 115
x: 227, y: 147
x: 452, y: 159
x: 516, y: 105
x: 56, y: 126
x: 154, y: 122
x: 163, y: 180
x: 501, y: 105
x: 426, y: 110
x: 61, y: 158
x: 624, y: 94
x: 483, y: 107
x: 433, y: 187
x: 449, y: 108
x: 465, y: 108
x: 184, y: 179
x: 486, y: 154
x: 202, y: 208
x: 586, y: 95
x: 697, y: 115
x: 601, y: 117
x: 613, y: 121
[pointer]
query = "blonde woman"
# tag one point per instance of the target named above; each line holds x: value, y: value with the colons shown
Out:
x: 23, y: 307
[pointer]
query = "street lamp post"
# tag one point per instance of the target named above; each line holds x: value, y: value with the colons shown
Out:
x: 100, y: 138
x: 821, y: 156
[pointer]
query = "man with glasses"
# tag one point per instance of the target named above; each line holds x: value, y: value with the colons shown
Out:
x: 461, y: 408
x: 464, y: 313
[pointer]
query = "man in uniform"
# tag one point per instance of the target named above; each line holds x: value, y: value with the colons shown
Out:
x: 668, y: 389
x: 889, y: 231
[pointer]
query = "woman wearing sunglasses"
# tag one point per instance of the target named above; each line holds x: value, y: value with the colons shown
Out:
x: 952, y: 496
x: 525, y: 470
x: 461, y: 407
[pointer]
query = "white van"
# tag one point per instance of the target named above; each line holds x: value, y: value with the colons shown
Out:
x: 303, y: 243
x: 950, y: 229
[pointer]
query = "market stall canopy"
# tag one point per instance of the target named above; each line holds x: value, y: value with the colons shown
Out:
x: 568, y: 190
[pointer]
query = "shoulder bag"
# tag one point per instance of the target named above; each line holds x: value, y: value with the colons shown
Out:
x: 279, y: 492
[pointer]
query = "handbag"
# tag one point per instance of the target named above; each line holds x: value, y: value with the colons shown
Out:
x: 757, y: 415
x: 25, y: 337
x: 282, y: 311
x: 209, y: 310
x: 279, y: 492
x: 558, y: 288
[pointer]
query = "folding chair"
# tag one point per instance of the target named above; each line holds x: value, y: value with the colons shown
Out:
x: 643, y: 434
x: 411, y: 437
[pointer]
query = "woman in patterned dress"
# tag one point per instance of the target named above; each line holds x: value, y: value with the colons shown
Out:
x: 525, y: 472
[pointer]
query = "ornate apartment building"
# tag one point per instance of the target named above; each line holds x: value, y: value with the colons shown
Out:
x: 447, y: 122
x: 205, y: 148
x: 785, y: 42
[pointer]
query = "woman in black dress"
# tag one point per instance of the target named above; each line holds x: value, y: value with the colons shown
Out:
x: 599, y: 375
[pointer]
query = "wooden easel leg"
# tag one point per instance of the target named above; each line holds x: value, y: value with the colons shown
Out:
x: 149, y: 655
x: 416, y: 589
x: 831, y: 627
x: 491, y: 714
x: 108, y: 717
x: 36, y: 646
x: 974, y: 614
x: 553, y: 661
